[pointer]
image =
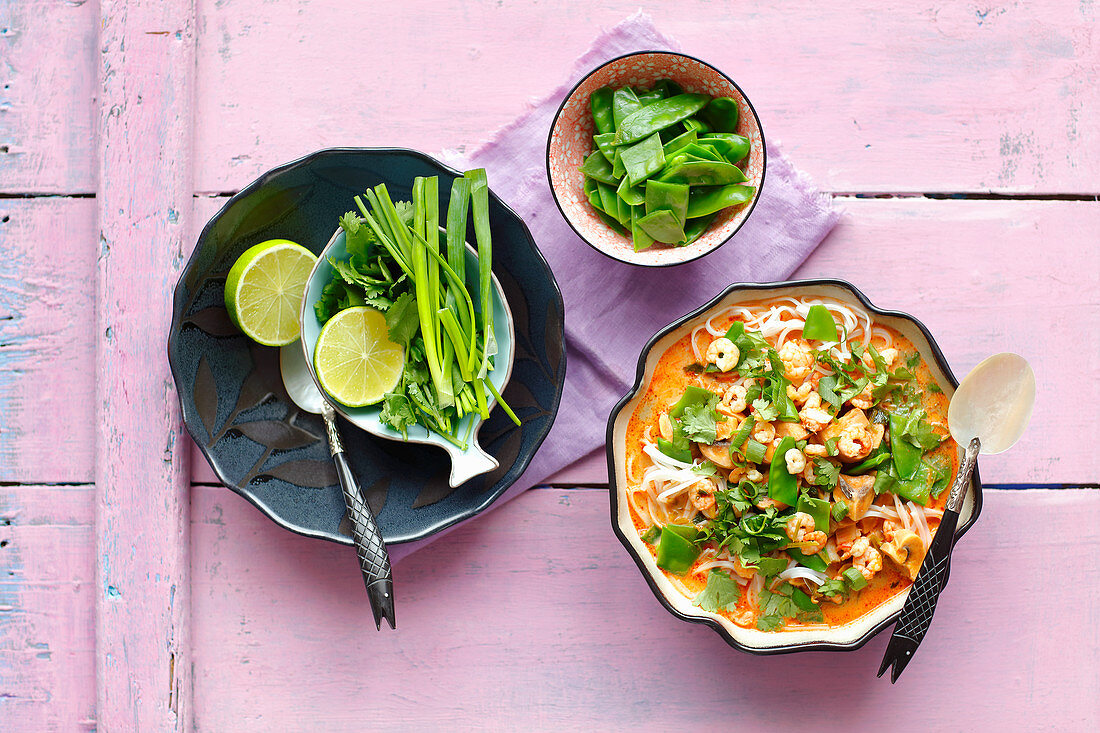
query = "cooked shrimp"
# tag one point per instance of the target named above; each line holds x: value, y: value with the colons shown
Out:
x: 733, y: 400
x: 813, y: 449
x: 863, y: 400
x: 796, y: 461
x: 763, y: 432
x: 801, y: 394
x: 798, y: 360
x: 856, y: 436
x: 800, y: 528
x: 701, y: 494
x: 723, y: 354
x: 866, y: 559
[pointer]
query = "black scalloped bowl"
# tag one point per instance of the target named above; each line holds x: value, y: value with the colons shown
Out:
x: 263, y: 447
x: 842, y: 638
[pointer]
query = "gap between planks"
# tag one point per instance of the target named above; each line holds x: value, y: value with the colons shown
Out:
x: 935, y: 195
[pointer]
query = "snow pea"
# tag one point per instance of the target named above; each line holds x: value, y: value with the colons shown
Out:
x: 633, y: 195
x: 624, y: 214
x: 617, y: 168
x: 813, y: 562
x: 820, y: 325
x: 872, y: 462
x: 906, y: 455
x: 702, y: 173
x: 600, y: 102
x: 609, y: 201
x: 605, y: 141
x: 702, y: 153
x: 624, y: 102
x: 663, y: 226
x: 679, y: 142
x: 782, y: 486
x: 657, y: 116
x: 596, y: 166
x: 643, y: 158
x: 676, y: 551
x: 698, y: 125
x: 668, y: 88
x: 696, y: 227
x: 592, y: 191
x: 642, y: 240
x: 671, y: 196
x: 733, y: 147
x: 709, y: 200
x: 649, y: 97
x: 721, y: 114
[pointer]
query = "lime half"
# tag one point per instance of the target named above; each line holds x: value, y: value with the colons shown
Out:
x: 263, y: 292
x: 355, y: 361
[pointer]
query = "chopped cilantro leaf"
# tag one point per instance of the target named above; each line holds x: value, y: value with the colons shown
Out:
x: 826, y: 473
x: 721, y: 594
x: 402, y: 319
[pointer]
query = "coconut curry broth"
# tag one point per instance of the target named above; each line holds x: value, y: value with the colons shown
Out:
x: 669, y: 381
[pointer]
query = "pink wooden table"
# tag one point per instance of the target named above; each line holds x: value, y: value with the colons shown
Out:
x: 962, y: 140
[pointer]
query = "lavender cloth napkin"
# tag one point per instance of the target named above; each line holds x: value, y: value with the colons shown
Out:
x: 611, y: 308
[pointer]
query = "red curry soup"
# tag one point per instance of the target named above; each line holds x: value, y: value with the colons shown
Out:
x: 788, y: 465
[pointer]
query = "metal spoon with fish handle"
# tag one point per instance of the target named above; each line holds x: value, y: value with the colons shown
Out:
x: 374, y: 561
x: 988, y: 414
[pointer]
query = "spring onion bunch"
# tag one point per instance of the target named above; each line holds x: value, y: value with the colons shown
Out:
x: 395, y: 265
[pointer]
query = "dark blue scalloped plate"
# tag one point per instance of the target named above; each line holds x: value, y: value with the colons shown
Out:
x: 254, y: 437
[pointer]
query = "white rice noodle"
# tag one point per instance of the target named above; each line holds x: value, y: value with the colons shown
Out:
x: 921, y: 524
x: 643, y: 511
x: 647, y: 436
x: 906, y: 520
x: 695, y: 346
x: 710, y: 326
x: 630, y: 470
x: 804, y: 574
x: 881, y: 334
x: 752, y: 595
x: 661, y: 459
x: 674, y: 490
x: 721, y: 564
x: 935, y: 513
x: 882, y: 512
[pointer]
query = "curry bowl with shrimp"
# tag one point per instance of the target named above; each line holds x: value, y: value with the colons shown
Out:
x: 780, y: 467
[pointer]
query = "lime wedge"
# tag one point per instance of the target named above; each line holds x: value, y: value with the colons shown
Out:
x: 263, y: 292
x: 355, y: 361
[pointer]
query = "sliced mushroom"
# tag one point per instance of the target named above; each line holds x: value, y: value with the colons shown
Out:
x: 907, y: 550
x: 718, y: 453
x: 857, y: 492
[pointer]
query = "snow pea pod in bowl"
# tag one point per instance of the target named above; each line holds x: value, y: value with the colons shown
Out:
x: 656, y: 158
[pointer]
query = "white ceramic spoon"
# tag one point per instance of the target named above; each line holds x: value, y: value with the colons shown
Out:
x: 988, y: 414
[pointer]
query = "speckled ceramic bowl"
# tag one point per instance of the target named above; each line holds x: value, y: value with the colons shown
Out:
x: 571, y: 139
x: 847, y: 636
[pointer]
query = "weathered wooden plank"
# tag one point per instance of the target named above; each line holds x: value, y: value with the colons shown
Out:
x: 47, y: 92
x: 535, y: 618
x: 47, y: 336
x: 868, y: 96
x: 143, y: 667
x: 984, y: 276
x: 47, y: 629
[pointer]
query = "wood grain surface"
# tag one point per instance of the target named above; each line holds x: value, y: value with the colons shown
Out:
x: 961, y: 140
x: 535, y: 618
x: 142, y: 499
